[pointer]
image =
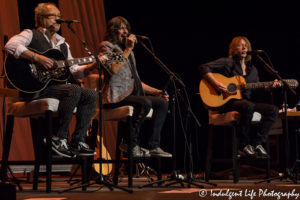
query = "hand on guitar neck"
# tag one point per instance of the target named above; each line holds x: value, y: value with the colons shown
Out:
x: 275, y: 84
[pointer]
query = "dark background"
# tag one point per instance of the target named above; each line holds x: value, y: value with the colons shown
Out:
x: 186, y: 34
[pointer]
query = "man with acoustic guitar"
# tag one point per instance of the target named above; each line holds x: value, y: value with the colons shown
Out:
x: 28, y: 47
x: 238, y: 64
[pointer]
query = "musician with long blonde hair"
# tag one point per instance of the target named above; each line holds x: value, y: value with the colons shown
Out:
x: 239, y: 63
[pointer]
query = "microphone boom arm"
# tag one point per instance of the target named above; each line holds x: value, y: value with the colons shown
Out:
x: 163, y: 66
x: 274, y: 72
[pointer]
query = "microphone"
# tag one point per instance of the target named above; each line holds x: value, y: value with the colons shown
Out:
x: 253, y: 52
x: 138, y: 36
x: 141, y: 36
x: 61, y: 21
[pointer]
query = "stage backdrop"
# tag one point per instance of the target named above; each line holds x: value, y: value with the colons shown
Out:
x: 9, y: 26
x: 91, y: 29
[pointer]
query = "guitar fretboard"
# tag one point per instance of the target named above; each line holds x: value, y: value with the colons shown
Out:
x: 258, y: 85
x: 65, y: 63
x: 291, y: 82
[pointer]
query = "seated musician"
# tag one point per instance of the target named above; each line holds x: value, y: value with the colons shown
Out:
x: 26, y: 45
x: 239, y: 63
x: 124, y: 87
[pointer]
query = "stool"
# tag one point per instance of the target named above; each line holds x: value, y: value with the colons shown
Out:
x: 122, y: 114
x: 36, y: 109
x: 228, y: 119
x: 119, y: 114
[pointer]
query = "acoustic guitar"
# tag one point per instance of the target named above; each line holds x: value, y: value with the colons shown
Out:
x: 235, y: 85
x: 106, y: 167
x: 29, y: 77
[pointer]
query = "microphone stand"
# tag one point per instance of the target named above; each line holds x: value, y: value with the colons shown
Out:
x: 190, y: 113
x: 100, y: 179
x: 177, y: 178
x: 287, y: 173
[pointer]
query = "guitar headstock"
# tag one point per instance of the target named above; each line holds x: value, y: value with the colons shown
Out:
x: 292, y: 82
x: 116, y: 57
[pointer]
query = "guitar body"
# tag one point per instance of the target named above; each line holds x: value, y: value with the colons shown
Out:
x: 212, y: 98
x: 28, y: 77
x: 106, y: 167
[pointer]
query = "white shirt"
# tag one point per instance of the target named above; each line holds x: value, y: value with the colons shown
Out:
x: 18, y: 45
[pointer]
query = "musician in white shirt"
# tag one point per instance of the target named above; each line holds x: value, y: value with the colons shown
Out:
x: 29, y: 45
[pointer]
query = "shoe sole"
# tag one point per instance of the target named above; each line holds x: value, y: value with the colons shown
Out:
x: 124, y: 150
x: 162, y: 156
x: 86, y: 154
x: 61, y: 154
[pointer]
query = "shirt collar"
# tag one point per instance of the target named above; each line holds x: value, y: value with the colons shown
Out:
x: 60, y: 39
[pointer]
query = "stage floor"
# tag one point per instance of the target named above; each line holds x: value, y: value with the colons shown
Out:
x: 225, y: 189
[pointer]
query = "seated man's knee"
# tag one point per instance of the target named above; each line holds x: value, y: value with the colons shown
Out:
x: 74, y: 90
x: 164, y: 105
x: 248, y: 108
x: 91, y: 94
x: 146, y: 104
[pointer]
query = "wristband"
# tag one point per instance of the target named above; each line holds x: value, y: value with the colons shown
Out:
x: 32, y: 57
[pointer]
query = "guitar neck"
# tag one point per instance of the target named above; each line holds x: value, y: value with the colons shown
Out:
x: 78, y: 61
x: 291, y: 82
x: 258, y: 85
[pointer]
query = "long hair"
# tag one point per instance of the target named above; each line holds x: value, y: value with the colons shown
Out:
x: 233, y: 47
x: 113, y: 26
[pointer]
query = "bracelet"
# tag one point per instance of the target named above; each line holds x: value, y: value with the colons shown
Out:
x: 32, y: 57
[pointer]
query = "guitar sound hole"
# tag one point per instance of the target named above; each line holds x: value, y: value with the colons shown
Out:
x: 231, y: 87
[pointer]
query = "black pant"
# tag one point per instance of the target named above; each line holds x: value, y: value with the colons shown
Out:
x: 71, y: 96
x: 142, y: 106
x: 246, y: 109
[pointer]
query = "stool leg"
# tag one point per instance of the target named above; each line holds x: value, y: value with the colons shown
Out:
x: 297, y: 156
x: 118, y: 154
x: 209, y: 153
x: 6, y: 146
x: 37, y: 140
x: 49, y: 149
x: 268, y: 159
x: 130, y: 155
x: 84, y: 174
x: 159, y: 176
x: 235, y: 156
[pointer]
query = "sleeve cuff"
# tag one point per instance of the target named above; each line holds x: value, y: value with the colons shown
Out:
x: 21, y: 49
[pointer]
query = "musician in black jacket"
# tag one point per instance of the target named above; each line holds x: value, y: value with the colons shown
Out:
x: 69, y: 93
x: 239, y: 63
